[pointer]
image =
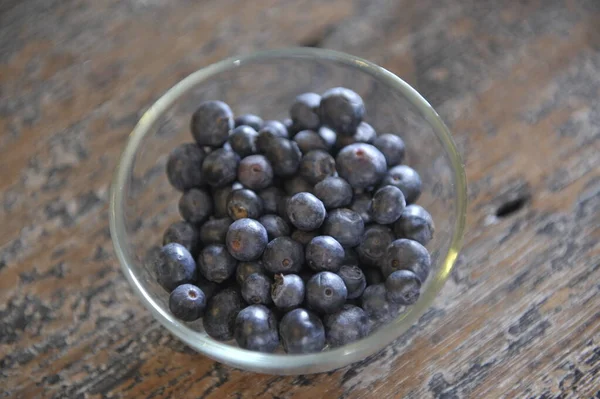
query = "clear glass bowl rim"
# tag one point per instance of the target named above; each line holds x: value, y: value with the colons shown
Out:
x: 284, y: 363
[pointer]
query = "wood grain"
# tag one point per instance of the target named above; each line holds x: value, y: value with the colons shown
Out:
x: 518, y: 84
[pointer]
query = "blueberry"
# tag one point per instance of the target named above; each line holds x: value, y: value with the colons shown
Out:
x: 316, y: 165
x: 306, y: 211
x: 364, y: 134
x: 403, y: 287
x: 416, y: 224
x: 246, y: 239
x: 283, y: 255
x: 271, y: 197
x: 277, y: 127
x: 184, y: 167
x: 326, y: 292
x: 243, y: 140
x: 221, y: 312
x: 304, y: 237
x: 328, y: 135
x: 256, y: 289
x: 214, y: 231
x: 187, y: 302
x: 301, y: 331
x: 324, y: 253
x: 392, y: 147
x: 183, y: 233
x: 255, y: 172
x: 282, y: 208
x: 373, y: 275
x: 376, y: 306
x: 350, y: 257
x: 335, y: 192
x: 209, y: 288
x: 297, y: 184
x: 404, y: 254
x: 211, y: 123
x: 361, y: 204
x: 387, y: 205
x: 362, y: 165
x: 346, y: 226
x: 342, y: 110
x: 373, y: 245
x: 195, y: 206
x: 287, y: 291
x: 220, y: 196
x: 220, y: 167
x: 256, y: 329
x: 305, y: 111
x: 244, y: 269
x: 275, y: 226
x: 406, y: 179
x: 244, y: 203
x: 354, y: 279
x: 254, y: 121
x: 346, y: 326
x: 174, y: 265
x: 215, y: 263
x: 309, y: 140
x: 284, y: 155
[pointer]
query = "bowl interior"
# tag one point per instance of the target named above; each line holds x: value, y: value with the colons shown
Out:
x: 144, y: 204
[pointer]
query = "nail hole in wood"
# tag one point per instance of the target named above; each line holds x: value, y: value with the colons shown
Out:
x: 512, y: 206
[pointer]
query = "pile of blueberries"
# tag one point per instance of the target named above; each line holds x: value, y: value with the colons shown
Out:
x: 302, y: 233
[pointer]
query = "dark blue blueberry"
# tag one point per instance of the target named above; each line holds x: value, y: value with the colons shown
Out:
x: 301, y: 331
x: 375, y: 304
x: 342, y: 110
x: 304, y: 237
x: 362, y: 165
x: 348, y: 325
x: 220, y: 196
x: 282, y: 208
x: 364, y: 134
x: 350, y: 257
x: 256, y: 289
x: 403, y: 287
x: 361, y: 204
x: 255, y: 172
x: 283, y: 255
x: 326, y: 292
x: 220, y: 167
x: 254, y: 121
x: 316, y: 165
x: 287, y: 291
x: 243, y: 140
x: 195, y: 206
x: 277, y: 127
x: 416, y: 224
x: 406, y: 179
x: 183, y: 233
x: 187, y: 302
x: 387, y: 205
x: 373, y: 275
x: 284, y: 155
x: 209, y: 288
x: 215, y: 263
x: 256, y: 329
x: 275, y: 226
x: 244, y: 203
x: 354, y: 279
x: 305, y: 111
x: 335, y: 192
x: 220, y: 314
x: 184, y: 167
x: 309, y: 140
x: 328, y: 135
x: 346, y: 226
x: 392, y: 147
x: 244, y: 269
x: 271, y: 197
x: 297, y: 184
x: 324, y: 253
x: 404, y: 254
x: 211, y: 123
x: 246, y: 239
x: 373, y: 245
x: 214, y: 231
x: 306, y: 211
x: 174, y: 265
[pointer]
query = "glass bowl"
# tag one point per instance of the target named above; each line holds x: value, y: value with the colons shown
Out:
x: 143, y: 203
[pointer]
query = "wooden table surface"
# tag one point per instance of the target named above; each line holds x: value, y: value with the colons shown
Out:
x: 518, y: 82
